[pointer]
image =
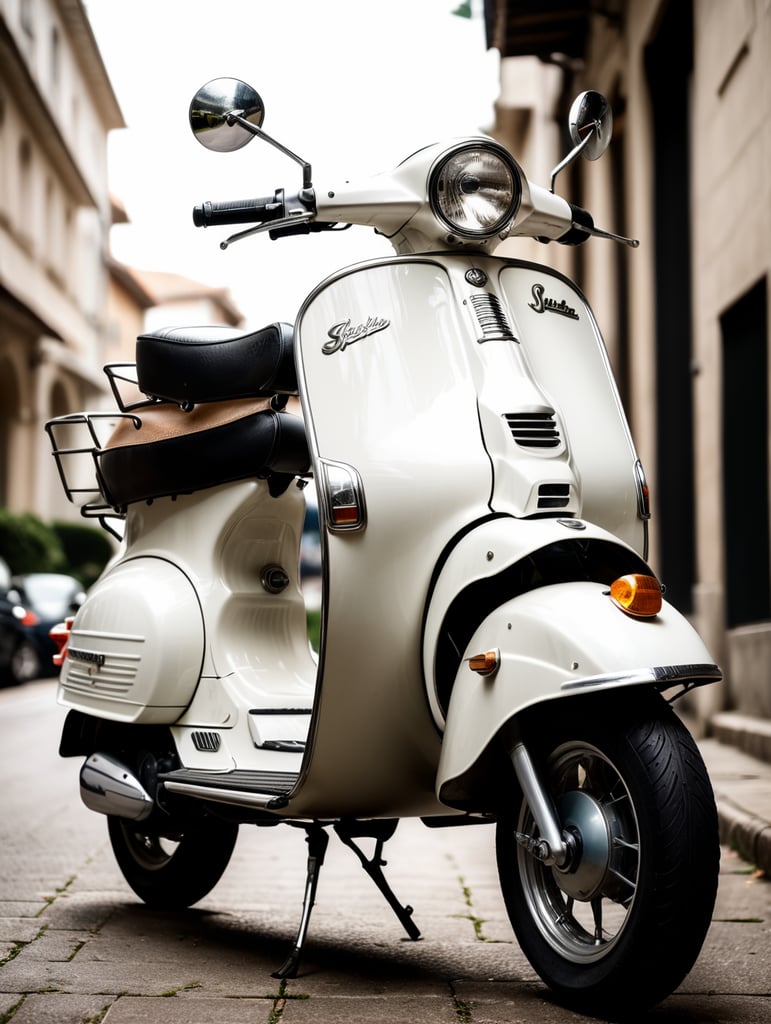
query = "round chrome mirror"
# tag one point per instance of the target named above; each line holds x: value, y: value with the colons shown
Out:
x: 591, y: 118
x: 211, y: 107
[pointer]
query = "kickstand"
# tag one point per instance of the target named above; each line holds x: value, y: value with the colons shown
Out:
x: 380, y: 831
x: 317, y: 840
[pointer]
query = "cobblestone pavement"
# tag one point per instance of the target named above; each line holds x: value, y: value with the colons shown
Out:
x: 79, y: 949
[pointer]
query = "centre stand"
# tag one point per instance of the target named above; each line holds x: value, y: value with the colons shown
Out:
x: 381, y: 830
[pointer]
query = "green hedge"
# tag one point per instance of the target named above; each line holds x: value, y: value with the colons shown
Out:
x: 28, y: 544
x: 86, y: 549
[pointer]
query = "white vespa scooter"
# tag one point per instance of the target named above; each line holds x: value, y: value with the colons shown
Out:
x: 493, y: 645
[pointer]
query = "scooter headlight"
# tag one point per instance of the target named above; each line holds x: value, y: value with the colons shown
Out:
x: 475, y: 190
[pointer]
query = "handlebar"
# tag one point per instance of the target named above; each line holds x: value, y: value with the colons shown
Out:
x: 550, y: 219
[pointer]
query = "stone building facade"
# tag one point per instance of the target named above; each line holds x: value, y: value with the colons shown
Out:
x: 56, y: 109
x: 66, y: 306
x: 686, y: 316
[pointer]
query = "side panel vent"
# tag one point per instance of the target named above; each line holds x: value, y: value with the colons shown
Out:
x: 491, y: 318
x: 206, y: 741
x: 553, y: 495
x: 534, y: 429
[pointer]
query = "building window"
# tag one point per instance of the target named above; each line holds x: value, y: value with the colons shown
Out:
x: 9, y: 413
x: 745, y: 458
x: 55, y: 55
x: 68, y: 251
x: 25, y: 211
x: 27, y: 17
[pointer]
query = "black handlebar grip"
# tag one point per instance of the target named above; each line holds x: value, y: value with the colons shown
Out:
x: 239, y: 211
x: 575, y: 236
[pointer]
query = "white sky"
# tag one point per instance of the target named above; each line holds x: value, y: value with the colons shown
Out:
x: 352, y: 86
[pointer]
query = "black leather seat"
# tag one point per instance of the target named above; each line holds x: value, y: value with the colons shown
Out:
x: 174, y: 452
x: 189, y: 365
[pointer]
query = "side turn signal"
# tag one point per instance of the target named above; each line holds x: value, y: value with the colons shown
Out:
x: 486, y: 663
x: 637, y: 594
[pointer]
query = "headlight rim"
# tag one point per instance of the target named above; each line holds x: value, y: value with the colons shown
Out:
x: 476, y: 145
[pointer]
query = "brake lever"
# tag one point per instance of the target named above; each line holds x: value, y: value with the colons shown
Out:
x: 633, y: 243
x: 297, y: 219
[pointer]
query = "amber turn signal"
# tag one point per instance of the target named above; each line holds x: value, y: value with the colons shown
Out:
x: 637, y: 594
x: 345, y: 515
x: 485, y: 663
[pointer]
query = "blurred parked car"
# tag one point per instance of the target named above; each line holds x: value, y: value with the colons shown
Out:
x: 46, y: 599
x: 19, y: 659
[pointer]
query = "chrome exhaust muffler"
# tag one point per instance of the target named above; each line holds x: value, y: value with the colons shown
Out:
x: 108, y: 787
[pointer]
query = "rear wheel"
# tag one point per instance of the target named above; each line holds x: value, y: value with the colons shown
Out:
x: 624, y: 923
x: 172, y: 872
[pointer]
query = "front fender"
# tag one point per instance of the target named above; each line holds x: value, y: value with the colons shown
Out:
x: 558, y: 641
x: 491, y: 564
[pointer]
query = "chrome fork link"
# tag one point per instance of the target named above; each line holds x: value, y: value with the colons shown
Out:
x: 550, y: 846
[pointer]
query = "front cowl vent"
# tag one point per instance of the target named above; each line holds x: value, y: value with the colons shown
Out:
x: 534, y: 429
x: 552, y: 496
x: 491, y: 318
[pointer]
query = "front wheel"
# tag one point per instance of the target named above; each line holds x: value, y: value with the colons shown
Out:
x: 622, y: 925
x: 167, y: 872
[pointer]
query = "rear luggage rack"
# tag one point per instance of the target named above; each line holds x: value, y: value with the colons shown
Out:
x: 75, y: 440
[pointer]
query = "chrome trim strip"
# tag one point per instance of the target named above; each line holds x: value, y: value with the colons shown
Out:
x: 226, y: 796
x: 661, y: 676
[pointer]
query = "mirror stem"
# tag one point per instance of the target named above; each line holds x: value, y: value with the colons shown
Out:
x: 235, y: 118
x: 566, y: 161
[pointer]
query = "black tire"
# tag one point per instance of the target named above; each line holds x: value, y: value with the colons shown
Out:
x: 627, y: 776
x: 172, y: 874
x: 24, y: 665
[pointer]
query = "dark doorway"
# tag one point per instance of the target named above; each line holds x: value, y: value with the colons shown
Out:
x: 745, y: 458
x: 669, y: 61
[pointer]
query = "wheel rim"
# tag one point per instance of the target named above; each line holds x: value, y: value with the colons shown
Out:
x: 150, y: 852
x: 583, y: 911
x: 24, y: 663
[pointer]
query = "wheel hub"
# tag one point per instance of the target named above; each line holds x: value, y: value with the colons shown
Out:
x: 585, y: 873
